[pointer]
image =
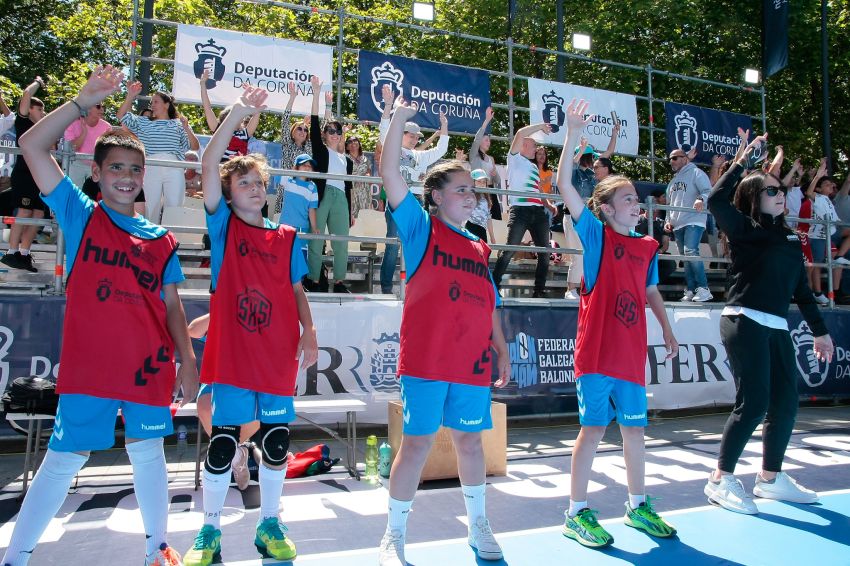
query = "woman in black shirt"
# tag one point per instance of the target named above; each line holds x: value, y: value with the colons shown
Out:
x: 767, y: 271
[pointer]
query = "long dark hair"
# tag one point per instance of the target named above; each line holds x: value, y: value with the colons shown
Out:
x: 748, y: 195
x: 166, y: 98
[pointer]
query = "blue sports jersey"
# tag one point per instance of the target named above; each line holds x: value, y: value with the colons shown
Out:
x: 590, y: 229
x: 73, y: 210
x: 217, y: 227
x: 299, y: 197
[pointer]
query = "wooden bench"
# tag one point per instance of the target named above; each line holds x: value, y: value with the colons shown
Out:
x: 302, y: 407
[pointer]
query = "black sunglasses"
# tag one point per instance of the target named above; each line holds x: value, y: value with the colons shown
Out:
x: 300, y: 129
x: 773, y: 191
x: 333, y: 131
x: 675, y: 157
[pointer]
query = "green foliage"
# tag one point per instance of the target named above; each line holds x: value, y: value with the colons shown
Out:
x: 714, y: 40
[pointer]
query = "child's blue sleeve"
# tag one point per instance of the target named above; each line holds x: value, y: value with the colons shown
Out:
x: 590, y: 229
x: 72, y: 209
x: 414, y: 227
x: 173, y: 271
x: 217, y: 228
x: 297, y: 264
x: 652, y: 272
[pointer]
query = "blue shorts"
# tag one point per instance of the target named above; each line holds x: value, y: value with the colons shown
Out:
x: 233, y: 405
x: 84, y: 422
x: 819, y: 247
x: 427, y: 404
x: 601, y: 398
x: 205, y: 389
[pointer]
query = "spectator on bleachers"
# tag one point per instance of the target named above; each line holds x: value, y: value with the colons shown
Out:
x: 480, y: 222
x: 602, y: 168
x: 334, y: 212
x: 526, y: 212
x: 541, y: 159
x: 794, y: 198
x: 239, y: 142
x: 7, y: 117
x: 661, y: 235
x: 584, y: 176
x: 301, y: 200
x: 689, y: 188
x: 26, y: 196
x: 414, y: 163
x: 166, y: 135
x: 425, y: 145
x: 360, y: 196
x: 193, y: 176
x: 146, y: 113
x: 82, y: 135
x: 479, y: 159
x: 822, y: 241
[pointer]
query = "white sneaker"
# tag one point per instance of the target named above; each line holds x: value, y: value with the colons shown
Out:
x: 784, y: 488
x: 821, y: 299
x: 482, y: 540
x: 241, y: 475
x: 729, y: 493
x: 687, y: 297
x: 572, y: 295
x: 702, y: 295
x: 391, y: 551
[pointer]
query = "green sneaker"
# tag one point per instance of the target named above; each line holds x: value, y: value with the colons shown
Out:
x: 586, y: 530
x: 207, y: 548
x: 646, y: 519
x: 271, y: 541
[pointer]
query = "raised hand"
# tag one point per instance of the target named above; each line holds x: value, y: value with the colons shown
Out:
x: 692, y: 153
x: 293, y: 90
x: 204, y: 77
x: 460, y: 155
x: 316, y: 84
x: 252, y: 101
x: 444, y: 122
x: 576, y: 117
x: 103, y: 81
x: 134, y: 88
x: 387, y: 96
x: 488, y: 114
x: 404, y: 109
x: 744, y: 135
x: 329, y: 98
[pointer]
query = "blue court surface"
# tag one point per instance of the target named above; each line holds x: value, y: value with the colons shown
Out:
x: 336, y: 520
x: 781, y: 534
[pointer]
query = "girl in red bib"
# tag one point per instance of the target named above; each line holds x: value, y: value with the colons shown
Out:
x: 620, y: 278
x: 448, y: 327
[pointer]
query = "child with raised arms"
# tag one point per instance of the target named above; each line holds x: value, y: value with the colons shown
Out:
x: 452, y: 311
x: 122, y: 283
x: 254, y: 340
x: 620, y: 278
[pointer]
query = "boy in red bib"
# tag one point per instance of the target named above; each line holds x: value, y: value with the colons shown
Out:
x: 620, y: 278
x: 123, y: 276
x: 256, y: 306
x: 448, y: 327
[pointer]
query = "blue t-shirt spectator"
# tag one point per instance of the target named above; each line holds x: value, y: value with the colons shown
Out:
x: 299, y: 197
x: 217, y: 227
x: 590, y: 231
x: 73, y: 210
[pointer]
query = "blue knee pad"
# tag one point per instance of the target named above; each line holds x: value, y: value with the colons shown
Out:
x: 274, y: 443
x: 223, y: 443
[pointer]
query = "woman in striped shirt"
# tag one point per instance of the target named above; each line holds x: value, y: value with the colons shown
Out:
x: 166, y: 135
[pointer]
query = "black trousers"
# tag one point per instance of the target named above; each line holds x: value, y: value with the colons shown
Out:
x: 477, y: 230
x: 536, y: 221
x: 765, y: 372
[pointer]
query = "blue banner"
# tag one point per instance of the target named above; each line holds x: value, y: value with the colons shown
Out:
x: 711, y: 132
x: 462, y: 94
x: 774, y: 36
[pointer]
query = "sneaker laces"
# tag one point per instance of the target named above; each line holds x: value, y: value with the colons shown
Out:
x: 275, y: 528
x: 736, y: 487
x: 588, y: 515
x: 483, y: 530
x: 204, y: 539
x: 647, y: 505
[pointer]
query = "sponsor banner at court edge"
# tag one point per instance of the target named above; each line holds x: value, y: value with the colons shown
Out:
x: 711, y: 132
x: 461, y: 93
x: 234, y: 59
x: 359, y: 347
x: 548, y: 101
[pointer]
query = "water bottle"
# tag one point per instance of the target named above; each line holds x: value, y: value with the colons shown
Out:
x: 385, y: 453
x: 182, y: 438
x: 372, y: 457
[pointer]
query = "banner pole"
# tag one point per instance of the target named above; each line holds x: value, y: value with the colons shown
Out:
x: 651, y: 124
x: 340, y: 48
x: 511, y: 90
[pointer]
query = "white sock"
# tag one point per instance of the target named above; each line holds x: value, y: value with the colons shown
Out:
x: 24, y: 251
x: 576, y: 506
x: 636, y: 500
x: 271, y: 490
x: 45, y: 496
x: 473, y: 497
x: 397, y: 515
x: 13, y: 251
x: 215, y: 492
x: 150, y: 480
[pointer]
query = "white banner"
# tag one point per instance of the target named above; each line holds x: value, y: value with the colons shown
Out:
x: 235, y: 59
x: 548, y: 101
x: 700, y: 375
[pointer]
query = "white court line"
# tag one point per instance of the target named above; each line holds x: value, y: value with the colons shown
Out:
x: 512, y: 534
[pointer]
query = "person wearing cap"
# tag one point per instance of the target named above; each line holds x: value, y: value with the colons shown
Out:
x: 526, y: 212
x: 300, y: 200
x: 481, y: 222
x: 689, y: 188
x: 414, y: 163
x: 479, y: 159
